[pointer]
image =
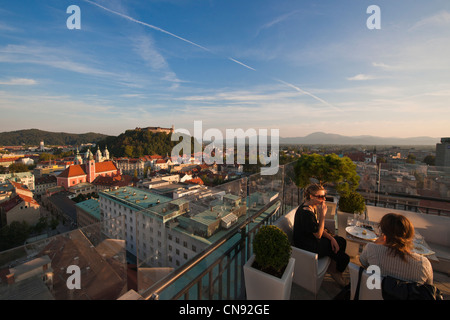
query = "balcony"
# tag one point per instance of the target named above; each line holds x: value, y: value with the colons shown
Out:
x: 196, y: 253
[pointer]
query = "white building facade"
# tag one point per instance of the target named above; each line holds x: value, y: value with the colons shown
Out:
x: 150, y: 231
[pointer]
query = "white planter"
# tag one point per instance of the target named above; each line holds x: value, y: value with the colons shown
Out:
x: 263, y: 286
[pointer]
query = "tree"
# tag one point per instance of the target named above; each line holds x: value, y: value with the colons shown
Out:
x: 129, y: 151
x: 430, y: 160
x: 18, y: 167
x: 14, y: 235
x: 328, y: 169
x: 411, y: 159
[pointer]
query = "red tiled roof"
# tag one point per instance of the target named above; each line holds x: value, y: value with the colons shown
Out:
x: 9, y: 159
x: 19, y: 185
x: 118, y: 180
x: 195, y: 181
x: 105, y: 166
x: 13, y: 202
x: 80, y: 170
x: 73, y: 171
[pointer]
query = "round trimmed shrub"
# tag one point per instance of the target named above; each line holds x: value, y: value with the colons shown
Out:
x: 352, y: 202
x: 272, y: 250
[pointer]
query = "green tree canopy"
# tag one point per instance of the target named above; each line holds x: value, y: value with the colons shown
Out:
x: 329, y: 169
x: 18, y: 167
x: 430, y: 160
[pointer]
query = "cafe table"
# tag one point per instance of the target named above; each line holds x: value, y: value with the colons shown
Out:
x: 365, y: 231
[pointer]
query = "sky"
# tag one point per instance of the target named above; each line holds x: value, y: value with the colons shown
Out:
x: 299, y: 66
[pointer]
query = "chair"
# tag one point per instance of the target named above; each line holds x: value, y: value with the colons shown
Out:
x: 309, y: 270
x: 364, y: 292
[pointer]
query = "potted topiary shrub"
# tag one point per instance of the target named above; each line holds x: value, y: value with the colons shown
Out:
x: 351, y: 206
x: 352, y: 202
x: 269, y: 271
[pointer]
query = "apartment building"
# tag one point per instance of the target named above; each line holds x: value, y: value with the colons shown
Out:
x: 443, y: 153
x: 162, y: 232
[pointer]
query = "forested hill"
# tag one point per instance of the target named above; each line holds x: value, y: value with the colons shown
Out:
x: 34, y: 136
x: 137, y: 143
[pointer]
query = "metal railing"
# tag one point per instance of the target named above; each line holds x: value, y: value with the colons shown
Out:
x: 222, y: 278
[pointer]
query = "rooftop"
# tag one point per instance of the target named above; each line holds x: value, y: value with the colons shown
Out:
x: 215, y: 273
x: 90, y: 206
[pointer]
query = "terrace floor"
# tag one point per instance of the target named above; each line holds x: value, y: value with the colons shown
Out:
x: 330, y: 289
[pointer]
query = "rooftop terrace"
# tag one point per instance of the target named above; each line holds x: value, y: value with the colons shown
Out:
x: 215, y: 273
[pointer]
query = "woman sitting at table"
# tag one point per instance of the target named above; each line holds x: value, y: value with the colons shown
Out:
x: 392, y: 253
x: 309, y: 232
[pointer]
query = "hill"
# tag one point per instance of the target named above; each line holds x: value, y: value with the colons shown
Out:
x: 330, y: 139
x: 35, y: 136
x: 137, y: 143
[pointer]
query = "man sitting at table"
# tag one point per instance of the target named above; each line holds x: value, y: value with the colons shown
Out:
x: 391, y: 252
x: 309, y: 232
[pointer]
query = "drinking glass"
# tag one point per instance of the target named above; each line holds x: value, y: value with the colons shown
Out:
x: 351, y: 221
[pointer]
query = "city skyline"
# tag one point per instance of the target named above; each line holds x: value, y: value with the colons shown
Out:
x: 300, y: 67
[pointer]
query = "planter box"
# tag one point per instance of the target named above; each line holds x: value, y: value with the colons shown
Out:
x: 263, y: 286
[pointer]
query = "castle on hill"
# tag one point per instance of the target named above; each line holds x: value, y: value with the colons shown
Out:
x: 156, y: 129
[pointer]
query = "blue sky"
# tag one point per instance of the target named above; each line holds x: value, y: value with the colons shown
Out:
x: 297, y: 66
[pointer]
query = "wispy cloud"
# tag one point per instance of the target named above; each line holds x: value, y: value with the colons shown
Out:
x: 7, y: 28
x: 440, y: 19
x: 144, y: 46
x: 206, y: 49
x: 277, y: 20
x: 361, y: 77
x: 382, y: 65
x: 19, y: 82
x: 36, y: 53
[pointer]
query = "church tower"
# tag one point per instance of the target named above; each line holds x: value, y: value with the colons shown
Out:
x: 98, y: 155
x: 106, y: 153
x: 90, y: 166
x: 78, y: 159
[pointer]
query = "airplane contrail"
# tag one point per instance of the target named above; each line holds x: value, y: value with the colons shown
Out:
x: 206, y: 49
x: 242, y: 64
x: 308, y: 93
x: 148, y: 25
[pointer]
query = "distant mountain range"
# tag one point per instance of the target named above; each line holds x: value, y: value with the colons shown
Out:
x: 34, y: 137
x: 330, y: 139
